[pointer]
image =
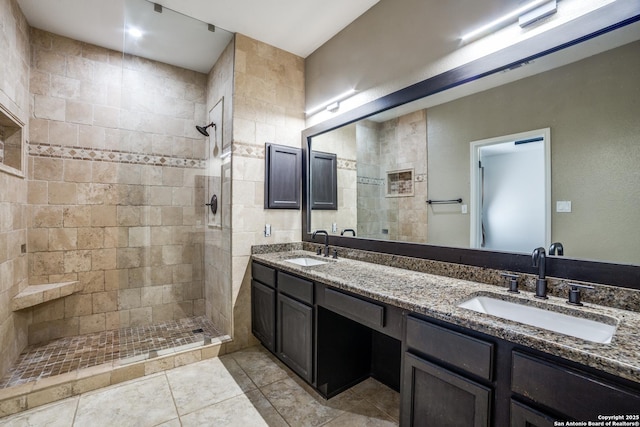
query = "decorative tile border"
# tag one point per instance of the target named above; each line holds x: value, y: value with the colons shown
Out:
x: 346, y: 164
x: 243, y: 149
x: 115, y: 156
x: 370, y: 181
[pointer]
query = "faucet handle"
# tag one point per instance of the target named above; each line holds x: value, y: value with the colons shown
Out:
x: 574, y: 293
x: 513, y: 282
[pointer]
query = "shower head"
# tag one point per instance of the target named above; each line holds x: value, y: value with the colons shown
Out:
x: 203, y: 129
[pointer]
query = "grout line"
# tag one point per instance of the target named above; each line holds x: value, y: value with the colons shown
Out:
x: 173, y: 398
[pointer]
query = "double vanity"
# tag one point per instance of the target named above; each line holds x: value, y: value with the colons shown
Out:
x: 459, y: 352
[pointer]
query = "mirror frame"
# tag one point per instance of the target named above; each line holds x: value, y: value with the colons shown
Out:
x: 623, y: 275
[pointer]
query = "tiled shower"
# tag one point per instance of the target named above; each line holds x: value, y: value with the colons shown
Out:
x: 114, y: 200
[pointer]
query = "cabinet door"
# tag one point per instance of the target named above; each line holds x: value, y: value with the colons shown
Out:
x: 295, y: 336
x: 524, y: 416
x: 324, y: 181
x: 283, y: 166
x: 263, y: 314
x: 434, y: 396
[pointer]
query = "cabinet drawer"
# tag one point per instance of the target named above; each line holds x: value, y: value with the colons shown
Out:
x: 263, y: 274
x: 569, y: 391
x: 354, y: 308
x: 467, y: 353
x: 295, y: 287
x: 523, y: 416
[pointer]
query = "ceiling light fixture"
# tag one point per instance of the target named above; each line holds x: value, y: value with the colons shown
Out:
x: 504, y: 19
x: 332, y: 104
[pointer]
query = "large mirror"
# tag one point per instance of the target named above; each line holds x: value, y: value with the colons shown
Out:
x: 584, y: 104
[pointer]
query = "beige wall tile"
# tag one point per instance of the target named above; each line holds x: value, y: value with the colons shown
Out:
x: 47, y: 107
x: 75, y: 261
x: 92, y: 281
x: 104, y: 259
x: 62, y: 193
x: 141, y: 316
x: 76, y: 216
x: 61, y: 239
x: 129, y: 299
x: 92, y: 323
x: 45, y: 263
x: 38, y: 192
x: 90, y: 237
x: 77, y: 305
x: 77, y: 171
x: 38, y: 240
x: 47, y: 169
x: 103, y: 216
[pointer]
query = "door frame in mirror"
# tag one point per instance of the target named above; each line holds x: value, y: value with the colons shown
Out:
x: 623, y: 275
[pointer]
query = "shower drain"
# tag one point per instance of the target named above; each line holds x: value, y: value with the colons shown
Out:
x: 198, y: 331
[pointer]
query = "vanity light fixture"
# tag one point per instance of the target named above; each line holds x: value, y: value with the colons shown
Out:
x: 332, y: 104
x: 511, y: 16
x: 134, y: 32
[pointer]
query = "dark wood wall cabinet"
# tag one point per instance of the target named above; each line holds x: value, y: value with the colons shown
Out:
x: 447, y: 375
x: 324, y: 181
x: 283, y: 174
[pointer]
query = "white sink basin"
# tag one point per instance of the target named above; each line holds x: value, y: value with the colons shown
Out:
x: 306, y: 262
x: 578, y: 327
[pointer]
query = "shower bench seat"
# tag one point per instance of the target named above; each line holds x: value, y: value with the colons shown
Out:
x: 38, y: 294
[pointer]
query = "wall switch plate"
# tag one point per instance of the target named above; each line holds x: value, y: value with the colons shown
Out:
x: 463, y: 209
x: 334, y: 228
x: 563, y: 206
x: 267, y: 230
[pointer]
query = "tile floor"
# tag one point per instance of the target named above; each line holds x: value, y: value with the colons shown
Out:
x: 247, y: 388
x: 69, y: 354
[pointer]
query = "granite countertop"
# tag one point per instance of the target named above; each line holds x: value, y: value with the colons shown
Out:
x: 438, y: 297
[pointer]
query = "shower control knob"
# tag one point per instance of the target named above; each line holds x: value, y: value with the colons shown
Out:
x: 213, y: 205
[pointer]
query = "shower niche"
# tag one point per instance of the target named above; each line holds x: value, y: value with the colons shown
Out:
x: 12, y: 156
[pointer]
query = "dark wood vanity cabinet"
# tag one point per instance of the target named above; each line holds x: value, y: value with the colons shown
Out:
x: 446, y: 377
x: 282, y: 317
x: 263, y: 304
x: 456, y: 376
x: 295, y: 324
x: 263, y: 314
x: 561, y: 392
x: 522, y: 415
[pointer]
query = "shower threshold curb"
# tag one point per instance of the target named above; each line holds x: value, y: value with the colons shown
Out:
x: 51, y: 389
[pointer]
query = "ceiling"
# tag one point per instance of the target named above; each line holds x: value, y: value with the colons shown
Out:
x: 297, y: 26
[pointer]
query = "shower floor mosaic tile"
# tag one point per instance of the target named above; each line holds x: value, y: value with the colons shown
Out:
x: 68, y: 354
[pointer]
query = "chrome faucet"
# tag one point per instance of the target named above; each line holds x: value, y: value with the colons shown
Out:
x: 539, y: 260
x: 326, y: 240
x: 556, y: 247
